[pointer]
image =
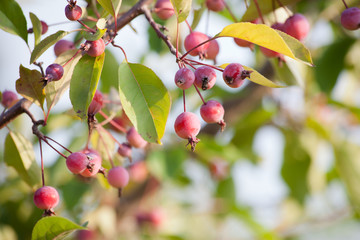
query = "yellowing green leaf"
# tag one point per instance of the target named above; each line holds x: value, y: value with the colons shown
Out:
x: 265, y: 36
x: 111, y: 6
x: 182, y: 9
x: 145, y: 100
x: 37, y: 28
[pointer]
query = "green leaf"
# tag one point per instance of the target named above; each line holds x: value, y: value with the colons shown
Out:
x: 109, y: 75
x: 111, y: 6
x: 93, y: 36
x: 84, y: 82
x: 182, y: 9
x: 283, y: 73
x: 145, y: 100
x: 327, y: 69
x: 258, y: 78
x: 29, y: 86
x: 197, y: 16
x: 226, y: 190
x: 19, y: 154
x: 295, y: 167
x: 53, y: 227
x: 12, y: 19
x: 55, y: 89
x: 266, y: 7
x: 45, y: 44
x: 37, y: 28
x: 272, y: 39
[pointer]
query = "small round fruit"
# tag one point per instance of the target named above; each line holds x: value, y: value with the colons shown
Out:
x: 118, y: 177
x: 215, y: 5
x: 297, y: 26
x: 96, y: 103
x: 138, y: 172
x: 135, y: 139
x: 122, y: 121
x: 184, y: 78
x: 44, y: 27
x: 62, y: 46
x: 164, y: 9
x: 194, y: 39
x: 96, y: 48
x: 350, y: 18
x: 46, y: 198
x: 244, y: 43
x: 212, y: 111
x: 54, y: 72
x: 219, y: 169
x: 9, y: 98
x: 187, y: 125
x: 234, y: 75
x: 86, y: 234
x: 205, y: 77
x: 94, y: 164
x: 213, y: 50
x: 73, y: 12
x: 124, y: 150
x: 77, y: 162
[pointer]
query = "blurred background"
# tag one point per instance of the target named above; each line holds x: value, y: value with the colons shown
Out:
x: 286, y: 166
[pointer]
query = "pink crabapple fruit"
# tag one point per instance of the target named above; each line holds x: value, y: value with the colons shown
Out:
x: 86, y: 234
x: 164, y: 9
x: 96, y: 48
x: 118, y: 177
x: 44, y: 27
x: 54, y: 72
x: 213, y: 112
x: 73, y: 12
x: 135, y: 139
x: 297, y: 26
x: 138, y: 172
x: 184, y: 78
x: 62, y: 46
x: 215, y: 5
x: 213, y: 50
x: 46, y: 198
x: 205, y: 77
x: 187, y: 126
x: 194, y: 39
x: 350, y: 18
x: 9, y: 98
x: 124, y: 150
x: 96, y: 103
x: 77, y: 162
x: 234, y: 75
x: 94, y: 164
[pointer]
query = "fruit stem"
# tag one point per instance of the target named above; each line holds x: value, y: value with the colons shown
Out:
x: 282, y: 5
x: 94, y: 8
x: 259, y: 11
x: 72, y: 58
x: 54, y: 148
x: 345, y: 4
x: 197, y: 89
x: 86, y: 26
x: 42, y: 164
x: 177, y: 40
x: 246, y: 4
x: 114, y: 124
x: 184, y: 100
x: 187, y: 23
x: 230, y: 12
x: 46, y: 137
x: 210, y: 39
x: 121, y: 50
x: 200, y: 63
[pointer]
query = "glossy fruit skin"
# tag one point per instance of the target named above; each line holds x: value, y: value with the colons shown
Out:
x: 124, y: 150
x: 350, y: 18
x: 62, y: 46
x: 205, y: 77
x: 73, y: 12
x: 187, y: 125
x: 135, y: 139
x: 297, y: 26
x: 184, y: 78
x: 77, y: 162
x: 54, y: 72
x: 213, y: 50
x: 215, y: 5
x: 44, y: 27
x: 118, y: 177
x: 192, y: 40
x: 46, y: 198
x: 9, y: 98
x: 234, y: 75
x: 94, y: 164
x: 212, y: 111
x: 96, y: 103
x: 97, y: 47
x: 164, y: 9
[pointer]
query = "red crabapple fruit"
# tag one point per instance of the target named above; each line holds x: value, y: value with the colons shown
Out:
x: 213, y: 50
x: 118, y: 177
x: 124, y: 150
x: 187, y: 126
x: 9, y: 98
x: 46, y: 198
x: 164, y: 9
x: 213, y: 112
x: 270, y: 53
x: 86, y: 234
x: 138, y: 172
x: 194, y: 39
x: 184, y: 78
x: 73, y: 12
x: 44, y: 27
x: 297, y: 26
x: 96, y: 103
x: 205, y: 77
x: 123, y: 121
x: 96, y: 48
x: 215, y: 5
x: 234, y: 75
x: 77, y: 162
x: 62, y: 46
x: 135, y: 139
x: 94, y: 163
x: 350, y: 18
x: 54, y: 72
